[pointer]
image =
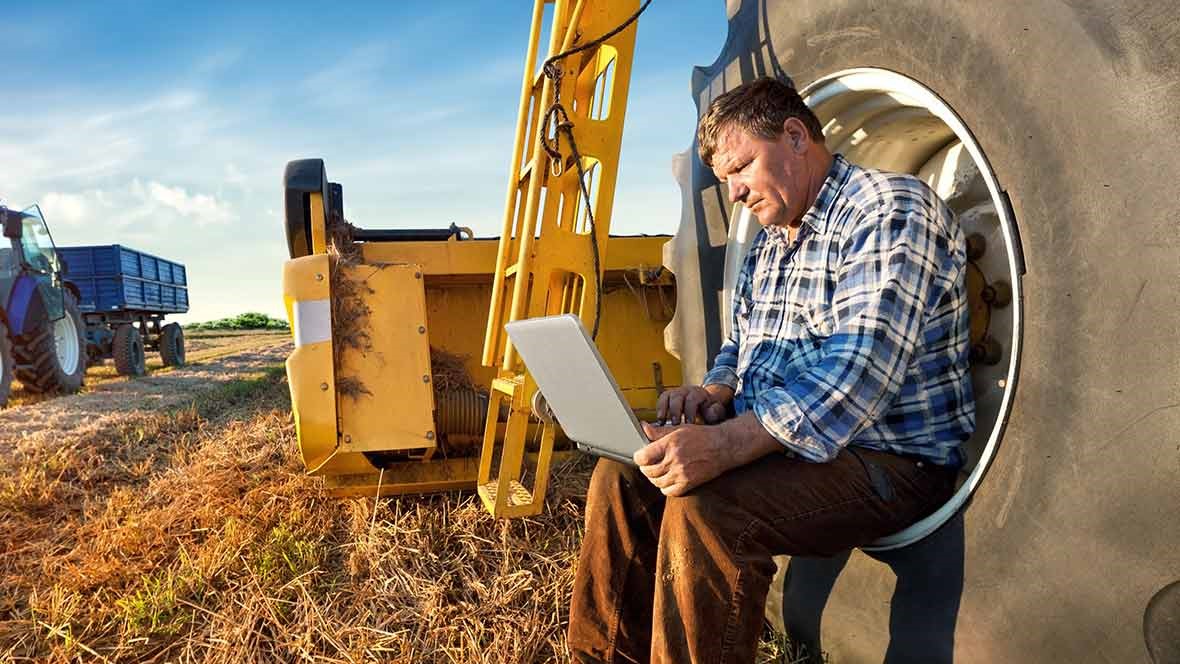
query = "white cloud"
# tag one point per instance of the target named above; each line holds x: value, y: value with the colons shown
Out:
x: 65, y: 208
x: 137, y: 212
x: 201, y: 208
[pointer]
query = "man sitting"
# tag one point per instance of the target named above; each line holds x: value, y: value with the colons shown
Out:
x: 847, y: 378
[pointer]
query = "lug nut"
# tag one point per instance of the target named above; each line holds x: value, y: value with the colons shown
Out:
x: 988, y: 351
x: 998, y: 294
x: 976, y: 246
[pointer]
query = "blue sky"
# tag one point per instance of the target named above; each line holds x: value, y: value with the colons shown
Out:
x: 166, y: 126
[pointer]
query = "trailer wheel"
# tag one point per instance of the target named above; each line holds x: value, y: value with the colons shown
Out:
x: 127, y: 350
x: 5, y: 365
x: 50, y: 359
x: 172, y: 345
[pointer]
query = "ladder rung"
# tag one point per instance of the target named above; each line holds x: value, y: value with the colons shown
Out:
x: 517, y: 494
x: 526, y: 171
x: 511, y: 269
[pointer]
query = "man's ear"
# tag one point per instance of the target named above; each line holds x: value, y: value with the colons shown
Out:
x: 796, y: 135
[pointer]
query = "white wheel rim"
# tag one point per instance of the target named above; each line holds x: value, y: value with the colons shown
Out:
x: 65, y: 341
x: 883, y: 119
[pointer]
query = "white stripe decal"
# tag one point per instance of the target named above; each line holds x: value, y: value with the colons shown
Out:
x: 313, y: 321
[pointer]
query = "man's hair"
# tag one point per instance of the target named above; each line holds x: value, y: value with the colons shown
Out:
x: 759, y: 108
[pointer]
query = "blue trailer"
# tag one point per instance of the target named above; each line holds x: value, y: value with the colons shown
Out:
x: 123, y: 296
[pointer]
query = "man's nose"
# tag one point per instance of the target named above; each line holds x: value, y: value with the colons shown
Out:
x: 737, y: 191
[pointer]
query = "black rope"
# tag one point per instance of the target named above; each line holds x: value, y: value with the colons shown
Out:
x: 559, y: 118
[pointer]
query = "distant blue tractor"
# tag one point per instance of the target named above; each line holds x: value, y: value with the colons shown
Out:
x: 64, y: 308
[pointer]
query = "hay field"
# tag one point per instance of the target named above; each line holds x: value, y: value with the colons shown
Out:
x: 167, y: 519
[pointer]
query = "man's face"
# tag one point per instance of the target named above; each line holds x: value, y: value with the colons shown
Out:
x: 766, y: 176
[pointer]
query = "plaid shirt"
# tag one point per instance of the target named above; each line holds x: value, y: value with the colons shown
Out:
x: 857, y: 332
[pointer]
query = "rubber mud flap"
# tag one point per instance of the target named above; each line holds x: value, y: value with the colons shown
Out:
x: 1072, y: 529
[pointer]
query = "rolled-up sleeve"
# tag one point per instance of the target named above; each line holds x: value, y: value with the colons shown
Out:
x: 893, y: 270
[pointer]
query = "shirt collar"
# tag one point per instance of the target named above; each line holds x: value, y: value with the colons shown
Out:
x: 817, y: 215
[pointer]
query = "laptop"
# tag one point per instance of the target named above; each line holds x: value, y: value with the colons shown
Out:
x: 578, y: 386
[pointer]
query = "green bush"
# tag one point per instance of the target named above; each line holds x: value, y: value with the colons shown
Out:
x: 251, y: 320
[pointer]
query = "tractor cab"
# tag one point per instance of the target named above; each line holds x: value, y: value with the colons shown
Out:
x: 31, y: 252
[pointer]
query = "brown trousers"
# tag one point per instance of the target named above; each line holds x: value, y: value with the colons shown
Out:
x: 685, y: 579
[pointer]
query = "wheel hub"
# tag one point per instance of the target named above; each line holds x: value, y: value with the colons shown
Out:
x: 881, y: 119
x: 65, y: 342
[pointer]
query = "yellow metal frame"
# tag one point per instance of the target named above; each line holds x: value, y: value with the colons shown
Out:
x: 550, y: 270
x: 310, y: 372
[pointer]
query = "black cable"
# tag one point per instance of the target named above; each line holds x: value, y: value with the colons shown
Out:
x: 556, y: 111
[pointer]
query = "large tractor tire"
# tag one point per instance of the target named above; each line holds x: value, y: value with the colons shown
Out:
x: 5, y: 364
x: 127, y: 350
x: 52, y: 358
x: 1053, y: 126
x: 172, y: 345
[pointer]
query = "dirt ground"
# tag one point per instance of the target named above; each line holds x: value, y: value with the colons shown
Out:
x: 212, y: 358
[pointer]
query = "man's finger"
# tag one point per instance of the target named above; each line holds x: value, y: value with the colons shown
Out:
x: 693, y: 403
x: 649, y: 454
x: 654, y: 432
x: 659, y: 479
x: 656, y: 473
x: 662, y: 405
x: 714, y: 413
x: 675, y: 407
x: 675, y: 489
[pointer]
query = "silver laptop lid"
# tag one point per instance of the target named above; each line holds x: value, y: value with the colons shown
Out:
x: 578, y: 386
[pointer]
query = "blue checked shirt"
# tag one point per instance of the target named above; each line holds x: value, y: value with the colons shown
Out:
x: 857, y: 333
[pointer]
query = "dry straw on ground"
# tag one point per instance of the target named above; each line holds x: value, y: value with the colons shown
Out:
x: 191, y: 534
x: 194, y: 536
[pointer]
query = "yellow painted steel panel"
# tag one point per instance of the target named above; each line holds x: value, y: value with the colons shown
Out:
x: 306, y: 278
x: 478, y: 257
x: 309, y: 367
x: 395, y: 411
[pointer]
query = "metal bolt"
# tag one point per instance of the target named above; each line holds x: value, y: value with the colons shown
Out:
x: 421, y: 329
x: 417, y: 275
x: 426, y: 378
x: 324, y: 386
x: 347, y: 439
x: 988, y: 351
x: 429, y: 435
x: 998, y: 294
x: 976, y: 246
x: 1002, y: 383
x: 319, y: 277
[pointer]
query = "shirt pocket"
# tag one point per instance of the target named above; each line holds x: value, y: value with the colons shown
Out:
x: 819, y: 320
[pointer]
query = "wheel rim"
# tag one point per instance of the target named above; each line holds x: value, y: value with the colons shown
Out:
x: 882, y: 119
x: 65, y: 342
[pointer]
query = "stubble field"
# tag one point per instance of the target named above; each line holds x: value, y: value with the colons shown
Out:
x: 168, y: 519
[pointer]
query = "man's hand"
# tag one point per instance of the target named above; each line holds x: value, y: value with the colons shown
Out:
x: 687, y: 402
x: 681, y: 458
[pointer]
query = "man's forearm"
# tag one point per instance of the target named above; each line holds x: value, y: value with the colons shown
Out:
x: 746, y: 440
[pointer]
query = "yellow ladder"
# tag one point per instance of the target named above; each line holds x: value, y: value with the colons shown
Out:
x: 554, y: 268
